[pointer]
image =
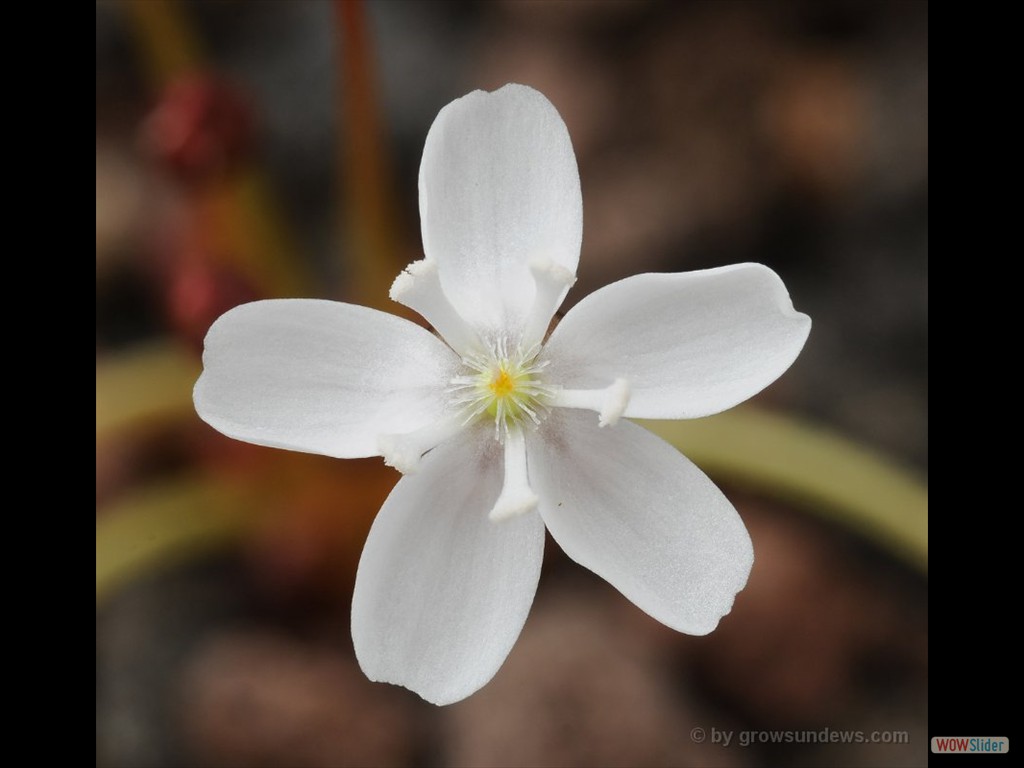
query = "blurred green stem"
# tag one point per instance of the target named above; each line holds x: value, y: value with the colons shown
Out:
x: 163, y: 524
x: 146, y: 385
x: 812, y: 468
x: 765, y: 453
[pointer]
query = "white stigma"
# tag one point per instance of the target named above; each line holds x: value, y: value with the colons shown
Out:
x: 404, y: 451
x: 516, y: 497
x: 502, y: 379
x: 551, y: 281
x: 419, y: 288
x: 505, y: 383
x: 610, y: 402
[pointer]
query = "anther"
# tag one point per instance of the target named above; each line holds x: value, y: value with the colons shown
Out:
x: 502, y: 382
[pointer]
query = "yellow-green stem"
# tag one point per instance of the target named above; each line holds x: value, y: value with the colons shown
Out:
x: 764, y: 452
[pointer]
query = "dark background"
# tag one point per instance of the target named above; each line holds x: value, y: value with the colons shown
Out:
x: 707, y: 133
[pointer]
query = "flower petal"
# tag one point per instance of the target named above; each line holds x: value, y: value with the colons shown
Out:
x: 631, y: 508
x: 499, y: 188
x: 689, y: 344
x: 442, y: 592
x: 320, y: 376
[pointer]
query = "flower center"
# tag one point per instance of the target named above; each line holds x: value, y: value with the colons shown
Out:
x: 504, y: 385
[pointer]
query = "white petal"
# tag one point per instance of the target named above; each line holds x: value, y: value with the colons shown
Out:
x: 320, y: 376
x: 631, y: 508
x: 442, y: 592
x: 498, y: 188
x: 689, y: 344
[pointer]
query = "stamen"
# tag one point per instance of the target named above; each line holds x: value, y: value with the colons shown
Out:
x: 419, y: 288
x: 502, y: 383
x: 404, y: 451
x: 516, y: 496
x: 610, y: 402
x: 552, y: 281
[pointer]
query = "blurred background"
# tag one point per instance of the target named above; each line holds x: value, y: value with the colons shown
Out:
x: 251, y: 150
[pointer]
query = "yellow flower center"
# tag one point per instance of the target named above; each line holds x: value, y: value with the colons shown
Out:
x: 503, y: 386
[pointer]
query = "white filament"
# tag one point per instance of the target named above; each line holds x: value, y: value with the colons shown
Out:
x: 521, y: 398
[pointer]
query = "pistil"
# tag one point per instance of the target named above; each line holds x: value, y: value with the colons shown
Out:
x: 419, y: 288
x: 516, y: 497
x: 404, y: 451
x: 610, y: 402
x: 552, y: 281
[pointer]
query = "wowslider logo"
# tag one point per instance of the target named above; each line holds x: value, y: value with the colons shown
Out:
x: 970, y: 744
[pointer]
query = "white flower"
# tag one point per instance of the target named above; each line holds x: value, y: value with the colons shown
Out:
x: 494, y: 426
